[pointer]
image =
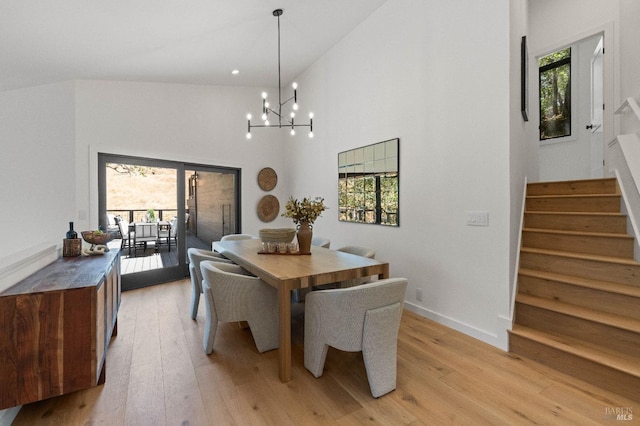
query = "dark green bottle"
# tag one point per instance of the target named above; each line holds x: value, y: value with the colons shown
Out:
x: 71, y: 234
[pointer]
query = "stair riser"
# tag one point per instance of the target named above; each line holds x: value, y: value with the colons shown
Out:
x: 601, y: 204
x: 585, y: 268
x: 608, y: 337
x: 595, y: 186
x: 581, y: 223
x: 599, y: 245
x: 602, y: 300
x: 588, y: 371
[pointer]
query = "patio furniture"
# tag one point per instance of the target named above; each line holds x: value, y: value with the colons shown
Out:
x: 363, y: 318
x: 230, y: 295
x: 196, y: 256
x: 164, y: 234
x: 144, y: 232
x: 125, y: 233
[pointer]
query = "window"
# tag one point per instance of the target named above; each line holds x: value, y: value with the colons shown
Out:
x: 555, y: 94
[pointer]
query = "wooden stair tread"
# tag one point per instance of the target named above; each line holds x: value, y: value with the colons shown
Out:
x: 605, y: 318
x: 579, y: 233
x: 574, y: 196
x: 607, y: 286
x: 610, y: 259
x: 617, y: 361
x: 579, y: 213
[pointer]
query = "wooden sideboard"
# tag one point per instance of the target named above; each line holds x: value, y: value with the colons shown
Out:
x: 55, y: 326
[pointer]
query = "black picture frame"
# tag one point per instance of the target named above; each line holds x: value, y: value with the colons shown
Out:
x: 524, y: 79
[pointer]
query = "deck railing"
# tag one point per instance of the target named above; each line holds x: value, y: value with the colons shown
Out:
x: 137, y: 215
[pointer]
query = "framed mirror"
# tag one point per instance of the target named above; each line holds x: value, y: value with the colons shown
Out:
x: 368, y: 184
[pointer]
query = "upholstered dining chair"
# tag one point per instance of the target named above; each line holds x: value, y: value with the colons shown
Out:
x: 363, y: 318
x: 359, y: 251
x: 196, y: 256
x: 231, y: 294
x: 232, y: 237
x: 321, y: 242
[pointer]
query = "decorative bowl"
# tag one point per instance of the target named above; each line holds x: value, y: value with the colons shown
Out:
x: 93, y: 238
x: 280, y: 235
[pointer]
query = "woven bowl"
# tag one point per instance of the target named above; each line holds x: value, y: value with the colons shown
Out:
x: 92, y: 238
x: 281, y: 235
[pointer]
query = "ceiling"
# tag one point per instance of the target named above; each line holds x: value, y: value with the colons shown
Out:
x: 179, y: 41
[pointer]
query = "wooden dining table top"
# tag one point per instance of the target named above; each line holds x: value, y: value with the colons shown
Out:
x: 287, y: 272
x: 322, y: 266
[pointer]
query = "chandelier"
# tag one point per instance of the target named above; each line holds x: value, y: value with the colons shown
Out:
x: 267, y: 111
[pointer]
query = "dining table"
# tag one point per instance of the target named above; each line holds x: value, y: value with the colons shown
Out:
x: 290, y: 271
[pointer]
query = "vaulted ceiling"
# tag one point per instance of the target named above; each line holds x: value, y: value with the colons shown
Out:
x: 181, y: 41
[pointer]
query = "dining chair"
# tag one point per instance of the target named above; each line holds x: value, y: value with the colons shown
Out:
x: 196, y: 256
x: 320, y: 242
x: 232, y: 237
x: 144, y: 232
x: 231, y: 295
x: 164, y: 234
x: 173, y: 235
x: 358, y: 251
x: 123, y: 225
x: 363, y: 318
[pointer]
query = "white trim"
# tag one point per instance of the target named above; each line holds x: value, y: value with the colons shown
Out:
x: 24, y: 263
x: 482, y: 335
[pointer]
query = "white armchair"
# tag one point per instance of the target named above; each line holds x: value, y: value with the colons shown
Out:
x: 232, y: 295
x: 358, y: 251
x: 196, y: 256
x: 321, y: 242
x: 364, y: 318
x: 232, y: 237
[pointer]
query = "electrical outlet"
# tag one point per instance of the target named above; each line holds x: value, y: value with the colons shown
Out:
x: 419, y: 294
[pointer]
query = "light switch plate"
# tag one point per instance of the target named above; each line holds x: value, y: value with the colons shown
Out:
x: 478, y: 218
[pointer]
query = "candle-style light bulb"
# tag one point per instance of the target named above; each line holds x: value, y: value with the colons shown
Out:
x: 310, y: 115
x: 295, y: 106
x: 310, y: 135
x: 248, y: 135
x: 248, y: 116
x: 264, y: 117
x: 293, y: 132
x: 266, y: 122
x: 264, y: 95
x: 294, y: 85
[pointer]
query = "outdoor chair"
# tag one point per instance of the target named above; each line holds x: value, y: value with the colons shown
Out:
x: 231, y: 295
x: 196, y: 256
x: 364, y: 318
x: 144, y: 233
x: 164, y: 234
x: 125, y: 234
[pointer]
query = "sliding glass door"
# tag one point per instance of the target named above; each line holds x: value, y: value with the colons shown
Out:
x: 161, y: 208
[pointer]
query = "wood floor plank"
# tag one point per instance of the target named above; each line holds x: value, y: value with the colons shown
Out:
x: 157, y: 374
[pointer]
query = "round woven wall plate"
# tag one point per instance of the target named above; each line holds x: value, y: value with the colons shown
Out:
x: 268, y: 208
x: 267, y: 179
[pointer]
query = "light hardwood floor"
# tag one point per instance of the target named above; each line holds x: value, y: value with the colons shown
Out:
x: 158, y: 374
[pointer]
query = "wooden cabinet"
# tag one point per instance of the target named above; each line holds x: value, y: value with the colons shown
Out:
x: 55, y: 326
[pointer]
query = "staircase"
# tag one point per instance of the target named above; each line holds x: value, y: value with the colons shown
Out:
x: 578, y: 303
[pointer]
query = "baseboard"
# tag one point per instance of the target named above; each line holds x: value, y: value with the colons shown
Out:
x: 499, y: 341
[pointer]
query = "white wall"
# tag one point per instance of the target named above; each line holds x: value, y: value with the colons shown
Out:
x: 523, y: 154
x: 192, y: 123
x: 409, y: 71
x: 37, y: 167
x: 629, y: 61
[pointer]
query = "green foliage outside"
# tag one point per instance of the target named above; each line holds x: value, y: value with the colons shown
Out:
x: 555, y: 94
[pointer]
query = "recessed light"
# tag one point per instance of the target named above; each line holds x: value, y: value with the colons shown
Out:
x: 235, y: 72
